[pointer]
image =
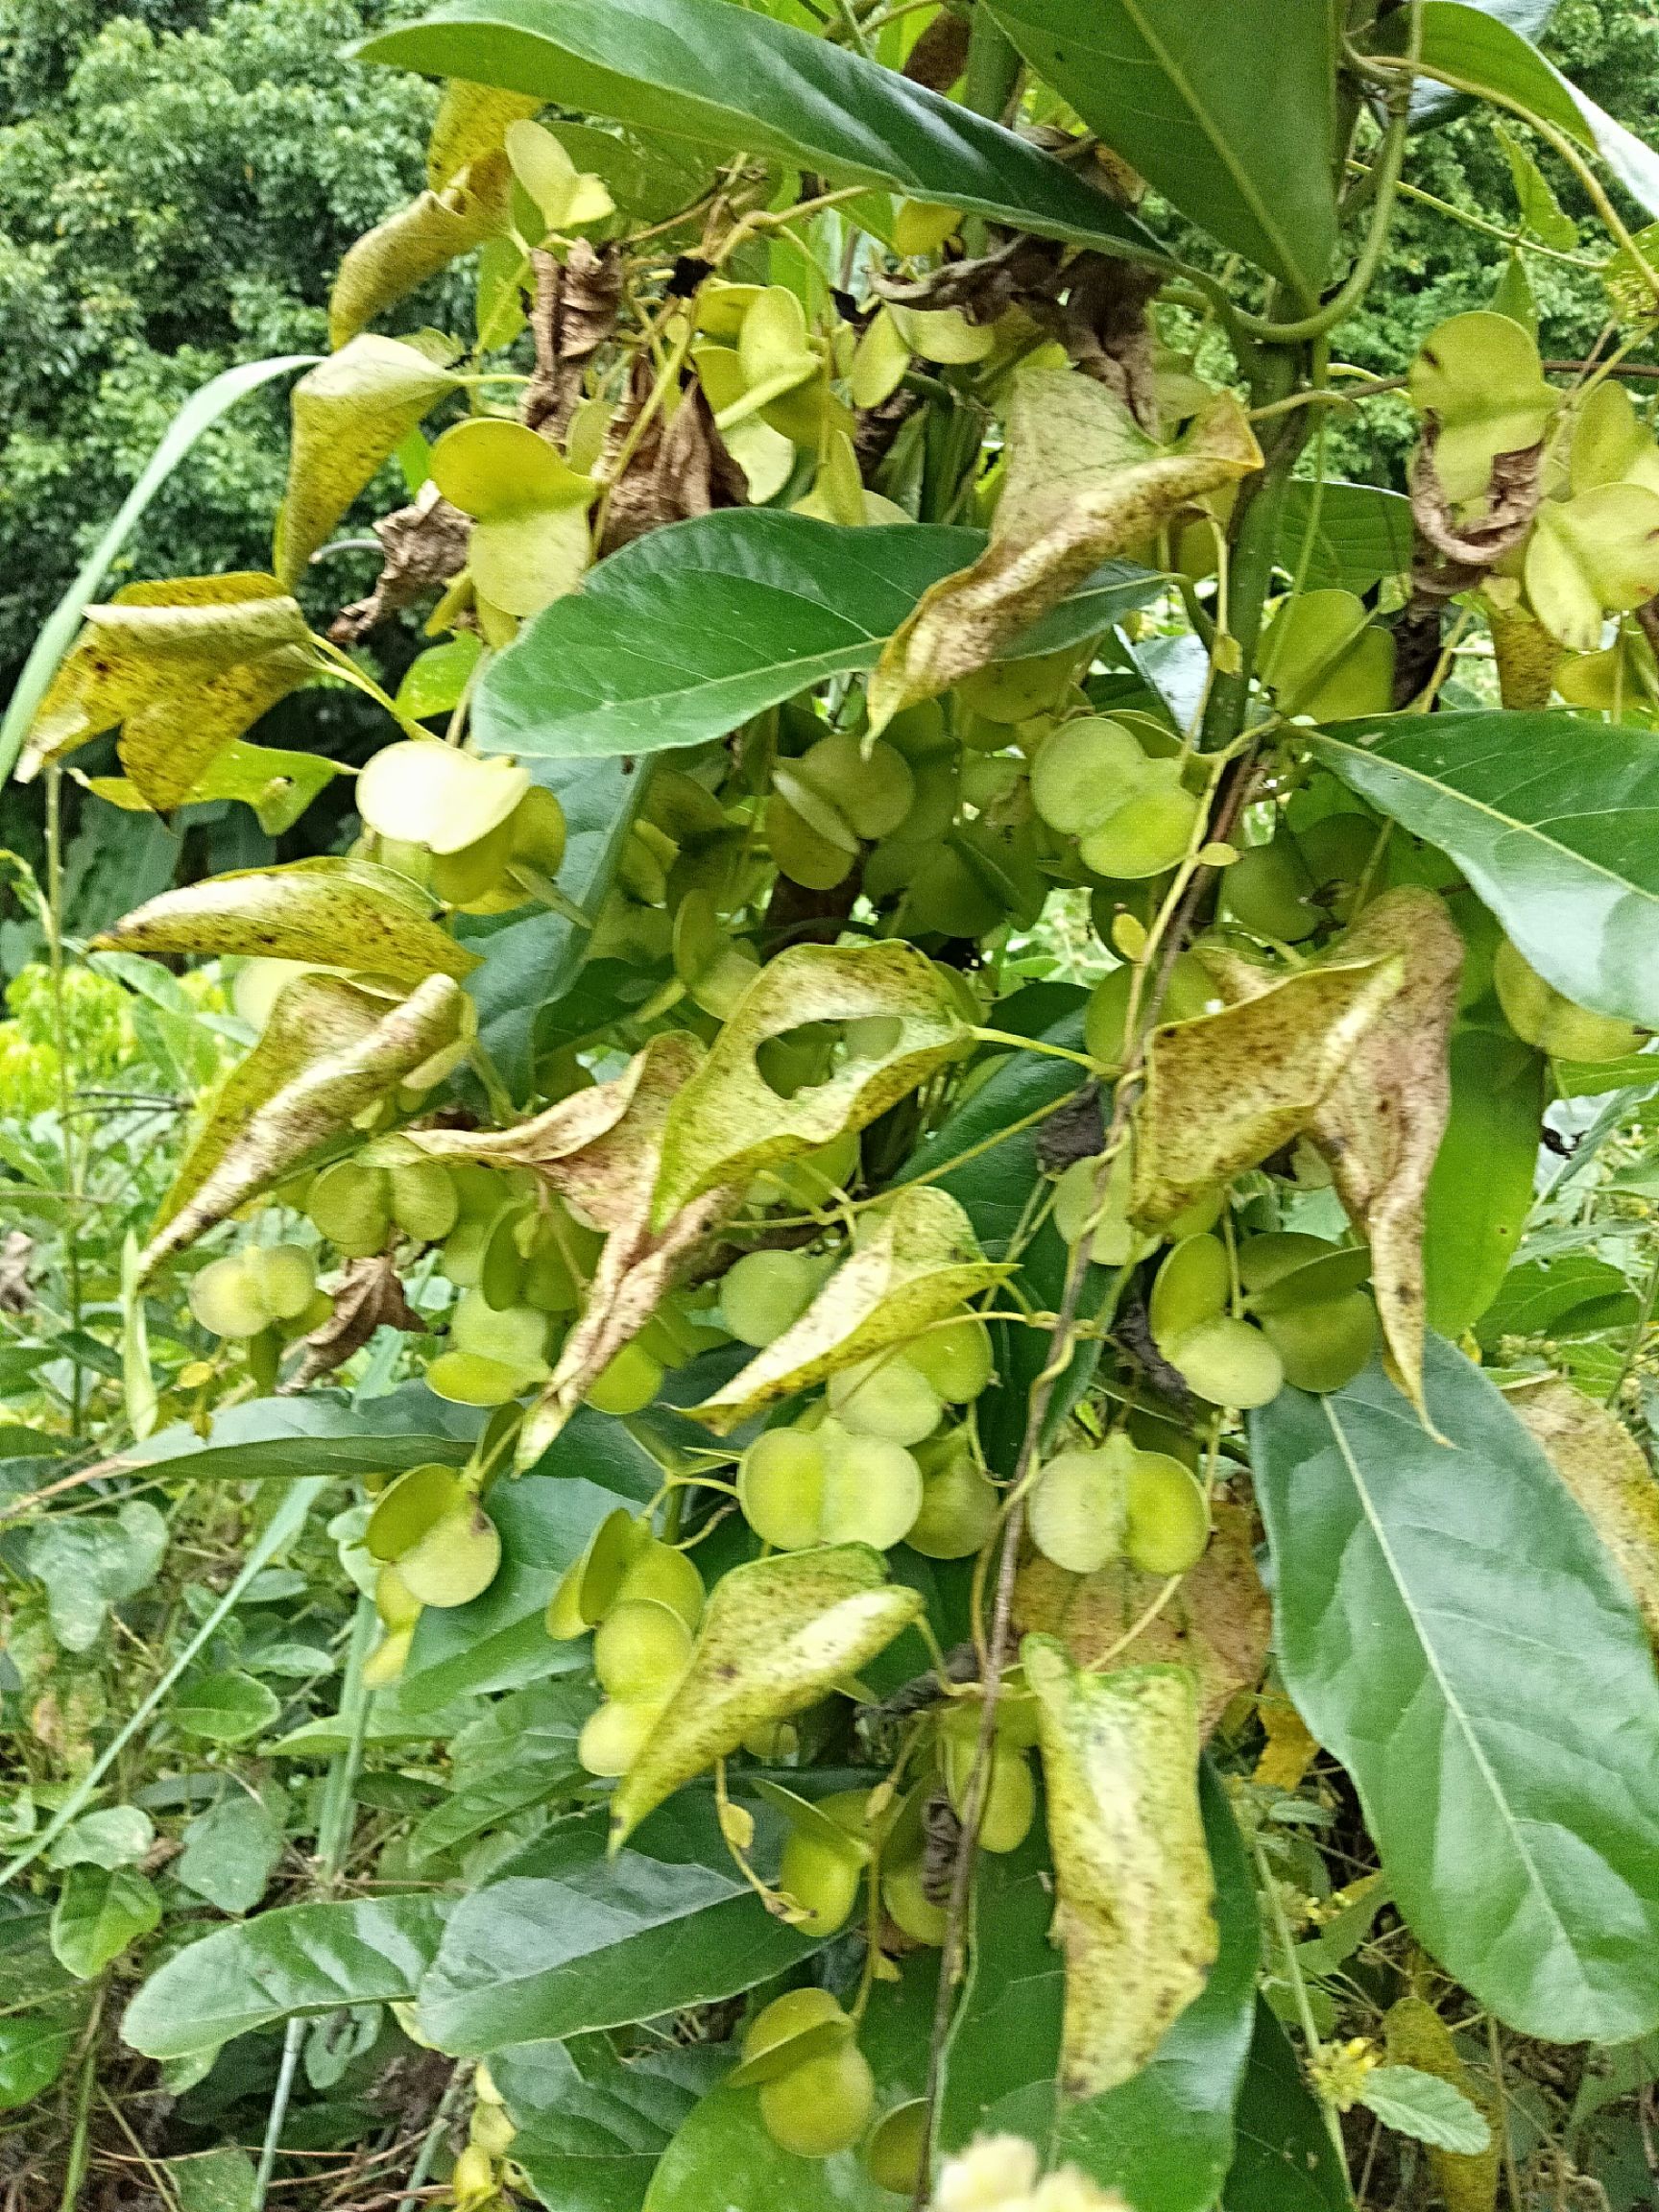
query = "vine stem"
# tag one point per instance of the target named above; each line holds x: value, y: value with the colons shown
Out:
x: 279, y: 2097
x: 1269, y: 1885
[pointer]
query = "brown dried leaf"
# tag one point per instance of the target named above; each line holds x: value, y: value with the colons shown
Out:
x: 1475, y: 544
x: 1083, y: 482
x: 369, y: 1297
x: 16, y: 1291
x: 1225, y: 1091
x: 322, y: 1099
x: 939, y: 55
x: 1605, y: 1469
x: 1217, y: 1625
x: 1381, y: 1125
x: 680, y: 468
x: 574, y: 313
x: 313, y: 1017
x: 425, y: 545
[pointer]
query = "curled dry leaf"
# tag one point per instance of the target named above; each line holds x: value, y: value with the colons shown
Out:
x: 729, y: 1121
x: 573, y: 313
x: 369, y: 1297
x: 1133, y: 1915
x: 417, y: 242
x: 425, y: 545
x: 351, y: 412
x: 313, y: 1018
x: 778, y: 1635
x: 1475, y: 544
x: 324, y: 1098
x: 1604, y: 1467
x: 16, y: 1291
x: 919, y: 1265
x: 181, y: 668
x: 1381, y: 1124
x: 1083, y: 482
x: 679, y: 468
x: 1225, y: 1091
x: 309, y: 910
x: 1216, y: 1625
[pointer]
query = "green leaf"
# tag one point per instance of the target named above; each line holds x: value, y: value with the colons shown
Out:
x: 532, y: 960
x: 1286, y: 2161
x: 1163, y: 2139
x: 777, y: 1636
x: 560, y: 1943
x: 221, y: 2181
x: 1481, y: 1191
x: 320, y: 1433
x: 592, y: 2127
x: 1549, y: 818
x: 230, y: 1852
x: 199, y: 412
x: 226, y: 1708
x: 305, y: 1959
x: 746, y: 83
x: 1360, y: 534
x: 277, y: 785
x: 1229, y: 112
x: 1421, y: 2104
x: 1487, y: 52
x: 533, y: 1736
x: 690, y: 631
x: 351, y: 413
x: 35, y: 2048
x: 723, y: 2155
x: 90, y: 1563
x: 118, y: 1835
x: 100, y: 1911
x: 1567, y: 1295
x: 1449, y: 1627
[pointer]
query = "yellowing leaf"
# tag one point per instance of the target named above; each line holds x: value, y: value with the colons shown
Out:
x: 182, y: 667
x: 1133, y: 1914
x: 1479, y: 376
x: 1525, y: 655
x: 324, y: 1098
x: 277, y: 783
x: 1083, y: 482
x: 1604, y: 1467
x: 566, y: 199
x: 1381, y: 1124
x: 1225, y: 1091
x: 351, y: 412
x: 417, y: 241
x: 310, y: 910
x: 472, y: 120
x: 919, y: 1265
x: 778, y: 1636
x: 1590, y: 556
x: 729, y: 1121
x: 314, y: 1018
x: 1216, y: 1625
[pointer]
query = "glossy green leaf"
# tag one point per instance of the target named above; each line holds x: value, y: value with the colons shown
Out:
x: 199, y: 412
x: 691, y: 630
x: 522, y: 1752
x: 593, y: 2127
x: 1567, y: 1294
x: 532, y: 958
x: 1229, y: 112
x: 747, y: 82
x: 100, y: 1911
x: 304, y: 1959
x: 226, y: 1708
x: 1286, y: 2161
x: 1359, y: 533
x: 559, y: 1942
x: 320, y: 1433
x: 1166, y: 2137
x: 1550, y: 819
x: 1449, y: 1627
x: 1481, y: 1191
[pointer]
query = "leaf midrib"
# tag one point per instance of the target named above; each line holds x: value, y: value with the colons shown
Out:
x: 1509, y: 822
x: 1431, y: 1657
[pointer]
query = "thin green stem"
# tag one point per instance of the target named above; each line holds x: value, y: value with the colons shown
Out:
x: 1268, y: 1883
x: 279, y: 2097
x: 73, y: 1152
x: 434, y: 2136
x: 1037, y: 1045
x: 335, y: 1822
x: 80, y: 2143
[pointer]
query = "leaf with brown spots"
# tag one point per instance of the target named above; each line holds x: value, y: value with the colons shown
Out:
x: 1084, y: 482
x: 369, y: 1297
